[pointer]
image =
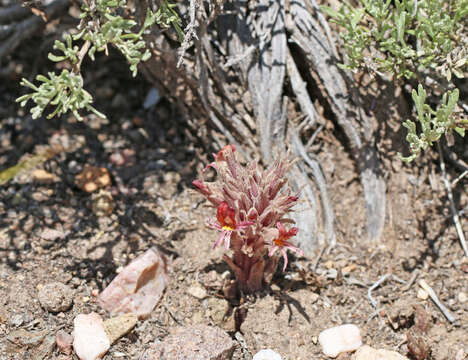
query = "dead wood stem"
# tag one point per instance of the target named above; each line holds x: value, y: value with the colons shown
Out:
x: 456, y: 218
x: 83, y: 51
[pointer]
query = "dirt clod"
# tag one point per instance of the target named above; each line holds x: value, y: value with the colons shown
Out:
x: 55, y: 297
x: 93, y: 178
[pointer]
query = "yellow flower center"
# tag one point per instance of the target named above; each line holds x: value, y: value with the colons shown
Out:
x: 280, y: 241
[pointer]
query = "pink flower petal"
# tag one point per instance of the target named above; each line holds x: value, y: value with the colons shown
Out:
x: 285, y: 257
x: 227, y: 239
x: 220, y: 239
x: 273, y: 250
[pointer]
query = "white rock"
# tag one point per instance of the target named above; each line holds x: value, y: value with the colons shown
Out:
x: 367, y: 353
x: 90, y: 340
x: 267, y: 354
x: 138, y: 287
x: 197, y: 291
x: 339, y: 339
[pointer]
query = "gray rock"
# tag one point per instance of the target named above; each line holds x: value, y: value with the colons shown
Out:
x: 26, y: 338
x: 55, y: 297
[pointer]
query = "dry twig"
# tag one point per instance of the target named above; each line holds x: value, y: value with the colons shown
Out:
x: 373, y: 287
x: 436, y: 301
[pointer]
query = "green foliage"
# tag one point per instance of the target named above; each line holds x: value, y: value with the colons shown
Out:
x: 64, y: 91
x: 433, y: 123
x: 167, y: 16
x: 101, y: 25
x: 411, y: 39
x: 405, y: 37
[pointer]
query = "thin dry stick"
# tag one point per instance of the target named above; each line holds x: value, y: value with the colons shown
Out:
x: 410, y: 281
x: 373, y: 287
x: 455, y: 182
x: 456, y: 218
x: 436, y: 300
x: 314, y: 267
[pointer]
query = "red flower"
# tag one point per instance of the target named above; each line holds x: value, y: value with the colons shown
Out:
x: 281, y: 242
x: 227, y: 224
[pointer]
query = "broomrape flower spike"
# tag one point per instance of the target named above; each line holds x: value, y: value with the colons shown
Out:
x: 281, y: 243
x: 252, y: 206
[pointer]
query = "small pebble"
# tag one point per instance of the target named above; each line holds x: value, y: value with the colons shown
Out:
x: 339, y: 339
x: 197, y: 291
x: 17, y: 320
x: 267, y: 354
x: 92, y: 178
x: 462, y: 297
x: 64, y: 342
x: 43, y: 177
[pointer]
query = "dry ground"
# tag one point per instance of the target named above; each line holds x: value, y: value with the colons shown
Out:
x: 154, y: 206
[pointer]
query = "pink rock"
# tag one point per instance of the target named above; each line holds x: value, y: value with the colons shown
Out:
x: 64, y: 342
x: 90, y: 339
x: 340, y: 339
x: 138, y: 287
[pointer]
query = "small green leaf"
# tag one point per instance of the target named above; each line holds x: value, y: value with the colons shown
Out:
x: 55, y: 58
x: 460, y: 131
x: 401, y: 27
